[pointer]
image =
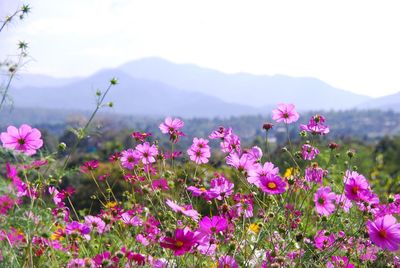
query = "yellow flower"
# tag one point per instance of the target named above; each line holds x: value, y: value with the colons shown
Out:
x: 111, y: 204
x: 58, y: 234
x: 291, y: 172
x: 255, y: 228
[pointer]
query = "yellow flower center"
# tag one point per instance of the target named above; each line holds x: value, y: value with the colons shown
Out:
x: 271, y: 185
x: 178, y: 243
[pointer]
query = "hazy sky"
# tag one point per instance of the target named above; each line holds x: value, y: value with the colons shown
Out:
x: 350, y: 44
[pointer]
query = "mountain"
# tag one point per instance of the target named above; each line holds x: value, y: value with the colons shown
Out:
x: 390, y: 102
x: 133, y: 96
x: 153, y: 86
x: 247, y: 89
x: 38, y: 80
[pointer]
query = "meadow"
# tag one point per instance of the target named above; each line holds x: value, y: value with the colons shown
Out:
x: 285, y: 190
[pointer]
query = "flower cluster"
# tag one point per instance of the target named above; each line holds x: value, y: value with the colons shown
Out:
x: 154, y: 209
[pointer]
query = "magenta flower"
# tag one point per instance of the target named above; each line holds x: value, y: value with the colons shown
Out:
x: 199, y: 152
x: 308, y: 152
x: 182, y: 242
x: 272, y: 184
x: 76, y: 228
x: 6, y: 203
x: 147, y: 153
x: 75, y: 263
x: 161, y: 184
x: 324, y: 239
x: 129, y: 158
x: 105, y: 259
x: 25, y: 139
x: 138, y: 136
x: 186, y: 210
x: 323, y: 200
x: 258, y: 171
x: 89, y: 166
x: 214, y: 225
x: 339, y: 262
x: 285, y: 113
x: 221, y: 188
x: 227, y: 262
x: 316, y: 126
x: 356, y: 186
x: 315, y: 174
x: 385, y: 232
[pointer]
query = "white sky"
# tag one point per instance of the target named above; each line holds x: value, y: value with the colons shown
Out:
x: 350, y: 44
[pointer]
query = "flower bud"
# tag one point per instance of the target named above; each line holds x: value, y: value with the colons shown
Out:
x: 267, y: 126
x: 62, y: 146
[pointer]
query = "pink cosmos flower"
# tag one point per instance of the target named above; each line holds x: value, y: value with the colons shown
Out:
x: 182, y: 242
x: 255, y: 153
x: 241, y: 163
x: 343, y: 202
x: 89, y: 166
x: 324, y: 199
x: 356, y: 186
x: 227, y: 262
x: 147, y: 152
x: 316, y: 126
x: 105, y: 259
x: 221, y: 188
x: 160, y: 184
x: 220, y: 133
x: 339, y: 262
x: 138, y: 136
x: 231, y: 143
x: 129, y: 158
x: 385, y: 232
x: 323, y: 239
x: 186, y: 210
x: 214, y: 225
x: 6, y: 203
x: 130, y: 219
x: 206, y: 244
x: 258, y: 171
x: 95, y: 223
x: 272, y: 184
x: 285, y: 113
x: 308, y: 152
x: 244, y: 205
x: 77, y: 228
x: 172, y: 127
x: 199, y: 152
x: 75, y: 263
x: 315, y: 174
x: 202, y: 192
x: 25, y: 139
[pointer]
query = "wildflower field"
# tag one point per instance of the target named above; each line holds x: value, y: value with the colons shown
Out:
x: 219, y: 202
x: 158, y: 207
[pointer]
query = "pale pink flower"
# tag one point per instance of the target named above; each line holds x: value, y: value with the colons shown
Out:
x: 25, y: 139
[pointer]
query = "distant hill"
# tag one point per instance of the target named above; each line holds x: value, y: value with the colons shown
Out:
x: 255, y: 90
x: 131, y: 96
x: 390, y: 102
x: 154, y: 86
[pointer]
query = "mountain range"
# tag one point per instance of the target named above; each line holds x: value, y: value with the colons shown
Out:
x: 154, y: 86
